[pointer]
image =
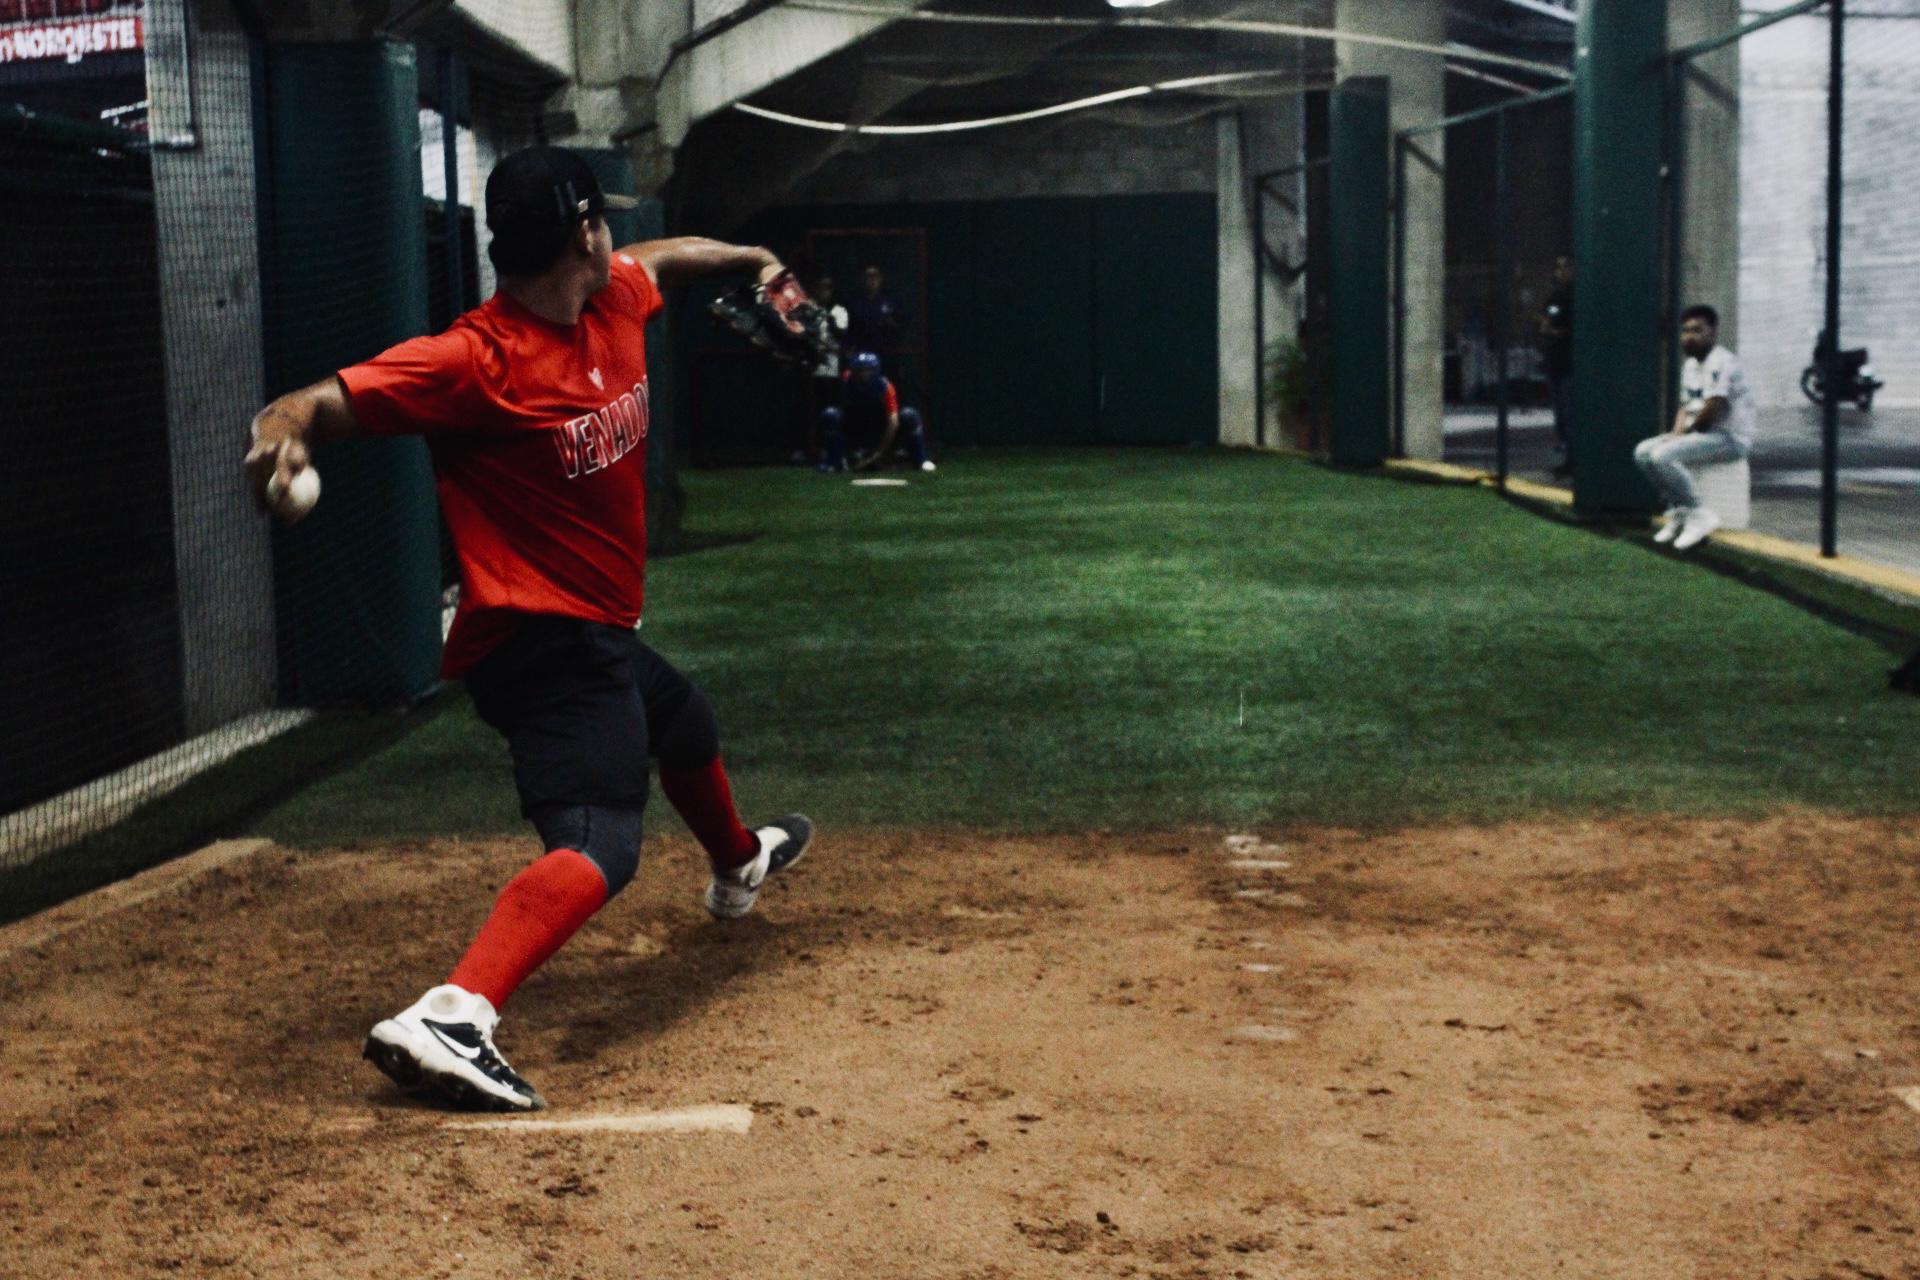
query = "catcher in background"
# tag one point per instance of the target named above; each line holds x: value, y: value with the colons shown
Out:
x: 869, y: 408
x: 535, y: 410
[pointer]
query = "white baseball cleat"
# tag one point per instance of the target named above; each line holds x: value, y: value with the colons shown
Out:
x: 444, y: 1043
x: 1700, y: 525
x: 782, y: 841
x: 927, y: 465
x: 1676, y: 518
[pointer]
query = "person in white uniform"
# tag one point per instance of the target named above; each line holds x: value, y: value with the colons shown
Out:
x: 1716, y: 423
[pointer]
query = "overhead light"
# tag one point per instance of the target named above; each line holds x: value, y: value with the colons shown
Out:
x: 1133, y: 4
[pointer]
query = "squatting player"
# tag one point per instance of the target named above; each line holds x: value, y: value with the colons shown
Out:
x: 870, y: 408
x: 534, y: 407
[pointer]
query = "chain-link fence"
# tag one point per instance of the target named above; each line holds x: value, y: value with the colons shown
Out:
x: 204, y: 210
x: 1507, y: 308
x: 1790, y: 212
x: 1787, y: 175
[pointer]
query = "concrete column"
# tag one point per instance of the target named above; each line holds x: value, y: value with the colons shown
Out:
x: 1239, y: 361
x: 204, y: 205
x: 1709, y: 178
x: 1619, y: 122
x: 1418, y: 90
x: 1256, y: 139
x: 621, y: 51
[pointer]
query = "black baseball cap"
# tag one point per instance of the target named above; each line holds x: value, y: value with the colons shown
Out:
x: 544, y: 189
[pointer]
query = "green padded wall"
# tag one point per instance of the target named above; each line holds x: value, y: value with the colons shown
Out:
x: 1156, y: 319
x: 344, y: 253
x: 1030, y: 304
x: 1619, y: 113
x: 1035, y: 377
x: 1358, y: 237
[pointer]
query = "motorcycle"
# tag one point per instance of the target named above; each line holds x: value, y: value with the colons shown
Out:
x: 1857, y: 379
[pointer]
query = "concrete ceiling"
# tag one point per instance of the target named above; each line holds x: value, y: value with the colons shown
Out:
x: 916, y: 72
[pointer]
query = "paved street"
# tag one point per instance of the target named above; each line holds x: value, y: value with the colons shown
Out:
x: 1879, y: 513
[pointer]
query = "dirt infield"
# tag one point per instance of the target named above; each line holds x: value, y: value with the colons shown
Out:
x: 1631, y: 1049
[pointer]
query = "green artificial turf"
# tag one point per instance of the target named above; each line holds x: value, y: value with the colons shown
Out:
x: 1060, y: 641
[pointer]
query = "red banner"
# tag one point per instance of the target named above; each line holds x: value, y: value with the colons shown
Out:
x: 71, y: 41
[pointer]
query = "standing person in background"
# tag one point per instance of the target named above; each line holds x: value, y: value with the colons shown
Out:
x: 874, y: 319
x: 1556, y: 352
x: 535, y: 410
x: 824, y: 387
x: 1716, y: 423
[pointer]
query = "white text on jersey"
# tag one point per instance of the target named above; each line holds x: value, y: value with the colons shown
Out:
x: 594, y: 441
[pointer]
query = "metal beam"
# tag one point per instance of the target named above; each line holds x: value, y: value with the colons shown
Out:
x: 1741, y: 33
x: 1550, y: 10
x: 1467, y: 117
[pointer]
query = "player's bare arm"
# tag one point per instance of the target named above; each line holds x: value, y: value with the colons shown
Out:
x: 1712, y: 414
x: 681, y: 259
x: 287, y: 431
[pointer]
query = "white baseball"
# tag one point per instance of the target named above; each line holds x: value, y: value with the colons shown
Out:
x: 294, y: 499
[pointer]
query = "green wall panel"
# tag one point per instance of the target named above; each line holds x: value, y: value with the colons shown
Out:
x: 1155, y: 316
x: 1358, y: 240
x: 1035, y: 378
x: 1028, y: 303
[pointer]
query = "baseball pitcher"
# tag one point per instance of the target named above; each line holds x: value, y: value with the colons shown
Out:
x: 534, y: 407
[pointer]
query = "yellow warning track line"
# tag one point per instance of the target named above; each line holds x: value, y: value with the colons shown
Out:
x: 1866, y: 573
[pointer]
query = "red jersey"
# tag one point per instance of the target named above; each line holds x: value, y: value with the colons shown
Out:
x: 538, y: 433
x: 877, y: 390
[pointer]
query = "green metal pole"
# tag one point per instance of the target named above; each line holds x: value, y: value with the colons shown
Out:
x: 1830, y: 404
x: 1260, y: 313
x: 1620, y: 127
x: 1502, y: 294
x: 1400, y: 146
x: 1358, y: 235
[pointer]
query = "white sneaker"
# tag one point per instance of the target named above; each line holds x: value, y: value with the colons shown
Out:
x: 733, y: 893
x: 1701, y: 524
x: 1676, y: 517
x: 445, y: 1043
x: 927, y: 465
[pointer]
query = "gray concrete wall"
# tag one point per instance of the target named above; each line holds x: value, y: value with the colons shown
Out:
x: 209, y: 279
x: 748, y: 58
x: 1710, y: 172
x: 1418, y: 96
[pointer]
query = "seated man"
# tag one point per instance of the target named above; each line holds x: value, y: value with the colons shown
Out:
x: 869, y: 407
x: 1715, y: 424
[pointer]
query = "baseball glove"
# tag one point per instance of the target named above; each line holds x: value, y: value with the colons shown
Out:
x: 779, y: 317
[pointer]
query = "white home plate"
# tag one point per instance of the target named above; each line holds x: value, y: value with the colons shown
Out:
x: 1259, y: 864
x: 716, y: 1119
x: 878, y: 482
x: 1909, y: 1095
x: 1272, y: 1035
x: 1261, y: 968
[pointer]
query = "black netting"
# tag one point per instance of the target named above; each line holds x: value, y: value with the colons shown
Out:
x: 204, y: 209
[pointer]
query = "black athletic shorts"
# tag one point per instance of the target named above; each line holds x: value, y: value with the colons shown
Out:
x: 579, y: 703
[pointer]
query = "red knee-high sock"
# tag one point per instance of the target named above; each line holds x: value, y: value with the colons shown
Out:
x: 704, y: 798
x: 538, y: 910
